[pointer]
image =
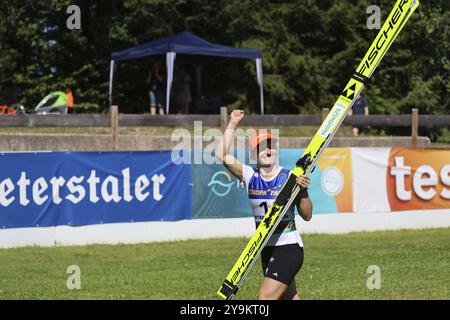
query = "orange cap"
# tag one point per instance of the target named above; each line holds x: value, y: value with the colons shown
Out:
x: 260, y: 136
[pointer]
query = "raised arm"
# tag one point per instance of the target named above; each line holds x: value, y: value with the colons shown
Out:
x: 223, y: 147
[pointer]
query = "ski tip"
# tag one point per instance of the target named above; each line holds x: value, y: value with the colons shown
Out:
x: 221, y: 295
x: 227, y: 290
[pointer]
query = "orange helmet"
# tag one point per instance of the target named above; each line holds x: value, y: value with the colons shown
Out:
x: 260, y: 136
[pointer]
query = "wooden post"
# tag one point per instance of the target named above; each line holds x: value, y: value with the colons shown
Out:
x: 223, y: 118
x: 414, y: 126
x: 324, y: 113
x: 114, y: 126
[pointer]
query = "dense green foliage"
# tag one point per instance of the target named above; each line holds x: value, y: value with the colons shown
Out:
x: 309, y: 50
x: 414, y: 264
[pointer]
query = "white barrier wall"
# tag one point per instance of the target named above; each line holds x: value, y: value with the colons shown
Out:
x: 142, y: 232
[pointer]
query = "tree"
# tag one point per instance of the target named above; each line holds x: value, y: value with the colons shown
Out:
x: 310, y: 48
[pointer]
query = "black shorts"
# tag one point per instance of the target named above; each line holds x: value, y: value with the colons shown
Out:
x: 282, y: 263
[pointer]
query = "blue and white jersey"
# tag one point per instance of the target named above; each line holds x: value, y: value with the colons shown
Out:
x: 262, y: 193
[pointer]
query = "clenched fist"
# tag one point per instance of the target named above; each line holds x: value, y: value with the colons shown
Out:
x: 236, y: 116
x: 303, y: 181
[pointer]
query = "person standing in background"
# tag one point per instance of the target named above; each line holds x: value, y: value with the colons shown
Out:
x: 157, y: 92
x: 70, y: 104
x: 360, y: 107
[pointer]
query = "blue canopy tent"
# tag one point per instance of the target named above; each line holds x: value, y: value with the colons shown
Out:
x: 184, y: 43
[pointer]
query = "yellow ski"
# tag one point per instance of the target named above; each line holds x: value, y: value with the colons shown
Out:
x: 391, y: 28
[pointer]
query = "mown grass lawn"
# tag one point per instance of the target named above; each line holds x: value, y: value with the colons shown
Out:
x: 414, y: 264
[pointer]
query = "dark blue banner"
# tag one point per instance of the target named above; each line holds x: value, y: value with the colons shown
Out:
x: 81, y: 188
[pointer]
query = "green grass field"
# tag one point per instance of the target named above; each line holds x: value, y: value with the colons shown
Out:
x: 414, y: 264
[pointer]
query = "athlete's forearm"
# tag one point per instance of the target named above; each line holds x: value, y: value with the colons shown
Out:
x: 223, y: 147
x: 305, y: 206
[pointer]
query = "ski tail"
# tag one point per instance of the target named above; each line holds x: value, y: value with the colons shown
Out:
x: 383, y: 41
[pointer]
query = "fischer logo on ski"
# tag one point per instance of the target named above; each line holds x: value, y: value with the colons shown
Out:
x: 383, y: 35
x: 350, y: 91
x: 247, y: 256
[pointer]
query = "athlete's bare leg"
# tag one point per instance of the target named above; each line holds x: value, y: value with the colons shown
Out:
x: 291, y: 292
x: 271, y: 289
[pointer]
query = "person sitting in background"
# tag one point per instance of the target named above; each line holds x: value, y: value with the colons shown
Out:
x: 157, y: 92
x: 360, y: 107
x: 69, y: 104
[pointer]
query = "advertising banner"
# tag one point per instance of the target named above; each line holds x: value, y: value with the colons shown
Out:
x: 331, y: 181
x: 80, y: 188
x: 400, y: 179
x: 418, y: 179
x: 217, y: 193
